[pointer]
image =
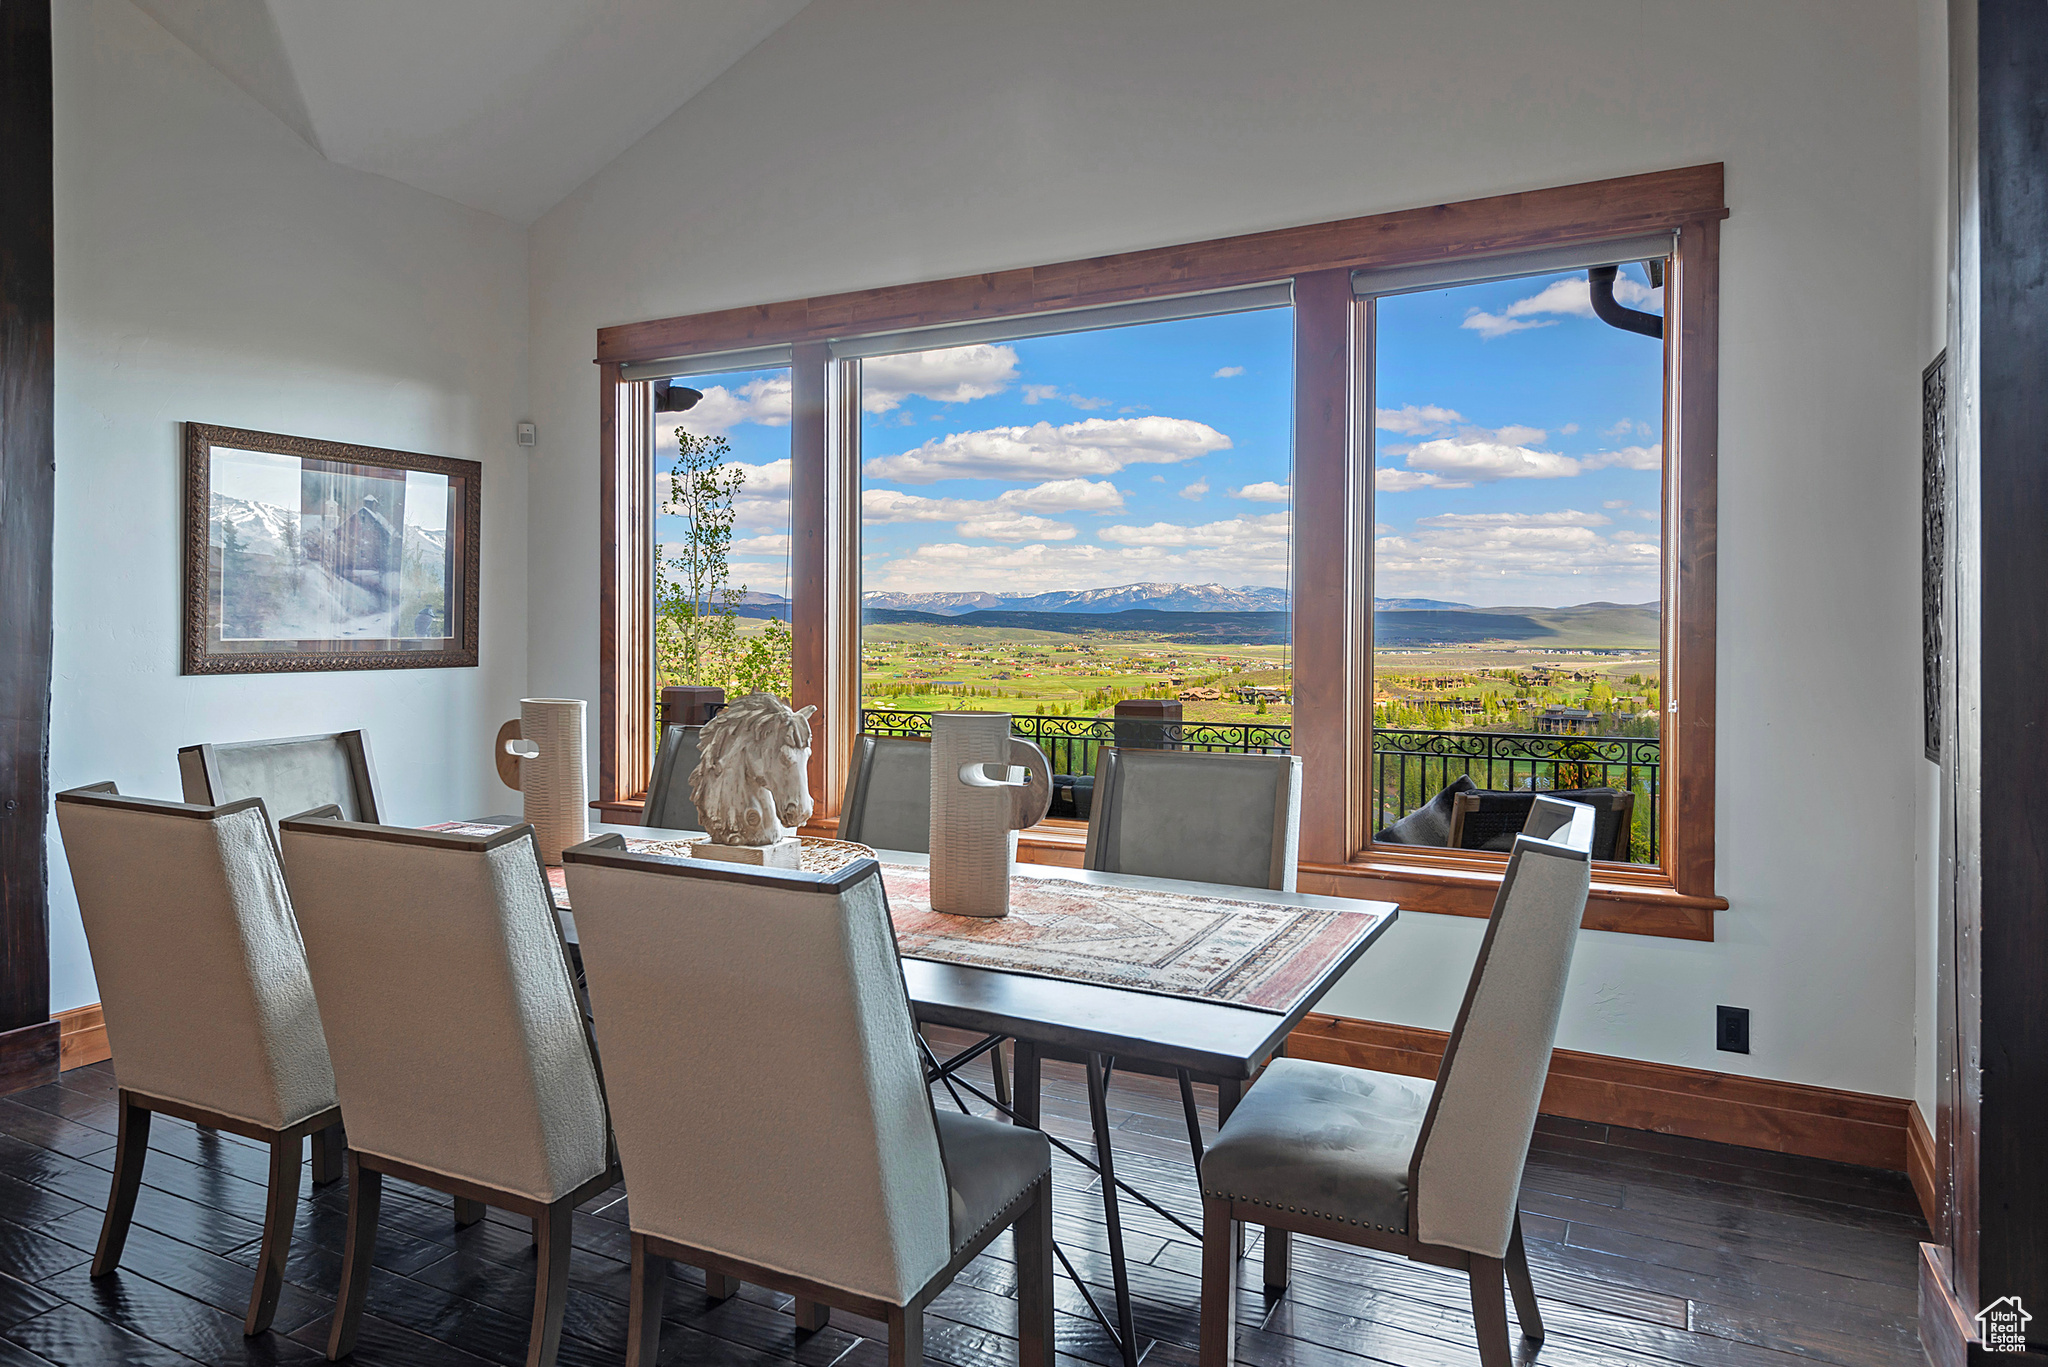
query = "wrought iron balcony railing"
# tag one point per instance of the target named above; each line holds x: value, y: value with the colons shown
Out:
x: 1409, y: 767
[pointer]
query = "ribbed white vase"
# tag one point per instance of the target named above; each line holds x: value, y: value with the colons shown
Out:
x: 552, y: 778
x: 974, y: 835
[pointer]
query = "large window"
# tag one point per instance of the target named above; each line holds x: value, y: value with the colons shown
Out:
x: 1377, y: 491
x: 1057, y: 525
x: 1518, y: 481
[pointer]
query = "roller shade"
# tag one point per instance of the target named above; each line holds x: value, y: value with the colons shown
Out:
x: 1241, y: 300
x: 1477, y: 270
x: 710, y: 363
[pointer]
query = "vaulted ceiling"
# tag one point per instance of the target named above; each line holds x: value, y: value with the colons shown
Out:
x: 503, y: 105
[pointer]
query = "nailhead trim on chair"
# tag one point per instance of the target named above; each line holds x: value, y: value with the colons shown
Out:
x: 1297, y: 1210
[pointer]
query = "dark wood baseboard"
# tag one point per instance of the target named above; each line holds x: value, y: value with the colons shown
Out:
x: 28, y: 1057
x: 1945, y: 1331
x: 1920, y: 1165
x: 1786, y: 1117
x: 82, y: 1037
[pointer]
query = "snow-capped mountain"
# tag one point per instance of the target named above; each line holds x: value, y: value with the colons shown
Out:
x: 1122, y: 598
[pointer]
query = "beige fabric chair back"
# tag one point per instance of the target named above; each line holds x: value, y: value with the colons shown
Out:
x: 293, y: 775
x: 766, y: 1087
x: 201, y: 971
x: 458, y: 1043
x: 668, y: 787
x: 889, y: 794
x: 1475, y: 1139
x: 1197, y: 816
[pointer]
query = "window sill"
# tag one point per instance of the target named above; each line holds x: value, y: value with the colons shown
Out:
x: 1625, y: 900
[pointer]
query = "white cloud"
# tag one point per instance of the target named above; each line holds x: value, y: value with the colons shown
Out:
x: 1572, y: 297
x: 1196, y: 490
x: 1401, y: 481
x: 1627, y: 458
x: 1053, y: 496
x: 1229, y: 372
x: 1414, y: 419
x: 763, y: 500
x: 764, y: 401
x: 1569, y: 428
x: 1563, y: 517
x: 1485, y: 459
x: 1038, y: 566
x: 1259, y: 531
x: 773, y: 544
x: 1518, y: 557
x: 1050, y: 393
x: 1021, y: 527
x: 951, y: 375
x: 1265, y: 491
x: 1615, y: 503
x: 1092, y: 446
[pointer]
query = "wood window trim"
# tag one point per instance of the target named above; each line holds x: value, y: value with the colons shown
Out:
x: 1331, y: 629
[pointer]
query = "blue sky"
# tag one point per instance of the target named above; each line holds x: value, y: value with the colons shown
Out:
x: 1518, y: 452
x: 1511, y: 429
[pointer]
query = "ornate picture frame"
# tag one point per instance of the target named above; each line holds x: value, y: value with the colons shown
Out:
x: 304, y: 555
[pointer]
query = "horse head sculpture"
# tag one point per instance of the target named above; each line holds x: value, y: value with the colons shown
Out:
x: 751, y: 785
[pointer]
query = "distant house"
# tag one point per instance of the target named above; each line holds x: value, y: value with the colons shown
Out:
x: 1569, y: 721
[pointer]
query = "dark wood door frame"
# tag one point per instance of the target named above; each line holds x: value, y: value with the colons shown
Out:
x: 1991, y: 1240
x: 28, y: 1037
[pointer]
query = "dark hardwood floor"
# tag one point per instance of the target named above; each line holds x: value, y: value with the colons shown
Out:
x: 1647, y: 1250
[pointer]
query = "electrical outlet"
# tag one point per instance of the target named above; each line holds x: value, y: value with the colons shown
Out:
x: 1731, y: 1029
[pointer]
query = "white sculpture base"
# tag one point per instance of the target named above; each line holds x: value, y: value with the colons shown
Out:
x: 787, y: 853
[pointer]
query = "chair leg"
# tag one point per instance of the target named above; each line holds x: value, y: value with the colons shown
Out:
x: 129, y: 1151
x: 551, y: 1283
x: 1219, y: 1285
x: 468, y: 1212
x: 365, y: 1195
x: 1002, y: 1072
x: 1031, y: 1237
x: 1279, y: 1258
x: 643, y: 1313
x: 279, y: 1208
x: 1523, y: 1287
x: 330, y: 1154
x: 1490, y: 1312
x: 906, y: 1337
x: 720, y: 1287
x: 811, y: 1316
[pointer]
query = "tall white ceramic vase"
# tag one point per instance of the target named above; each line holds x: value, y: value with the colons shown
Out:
x: 986, y: 786
x: 551, y: 772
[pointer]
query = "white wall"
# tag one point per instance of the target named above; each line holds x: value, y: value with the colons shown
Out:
x: 872, y: 142
x: 211, y: 267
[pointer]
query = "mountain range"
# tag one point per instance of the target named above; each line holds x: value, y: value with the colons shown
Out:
x: 1122, y: 598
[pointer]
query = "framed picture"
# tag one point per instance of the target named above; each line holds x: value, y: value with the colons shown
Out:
x: 310, y: 555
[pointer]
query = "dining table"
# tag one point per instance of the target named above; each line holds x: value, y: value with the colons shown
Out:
x: 1047, y: 1014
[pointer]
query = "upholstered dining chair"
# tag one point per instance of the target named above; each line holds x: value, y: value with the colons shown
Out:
x: 1429, y: 1170
x: 838, y: 1184
x: 461, y: 1056
x: 668, y: 786
x: 209, y: 1008
x: 888, y: 794
x: 291, y: 775
x: 1198, y: 816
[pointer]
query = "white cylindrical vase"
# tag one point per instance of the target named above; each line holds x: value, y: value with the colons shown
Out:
x: 986, y: 786
x: 551, y: 773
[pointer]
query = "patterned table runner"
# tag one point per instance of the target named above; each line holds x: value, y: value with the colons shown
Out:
x: 1238, y: 951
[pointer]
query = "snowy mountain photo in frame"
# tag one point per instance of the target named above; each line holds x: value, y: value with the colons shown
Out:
x: 310, y: 555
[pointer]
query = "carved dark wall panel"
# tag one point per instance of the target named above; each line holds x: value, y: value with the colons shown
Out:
x: 1933, y: 544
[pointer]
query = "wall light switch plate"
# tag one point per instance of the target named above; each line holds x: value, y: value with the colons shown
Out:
x: 529, y: 435
x: 1731, y: 1029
